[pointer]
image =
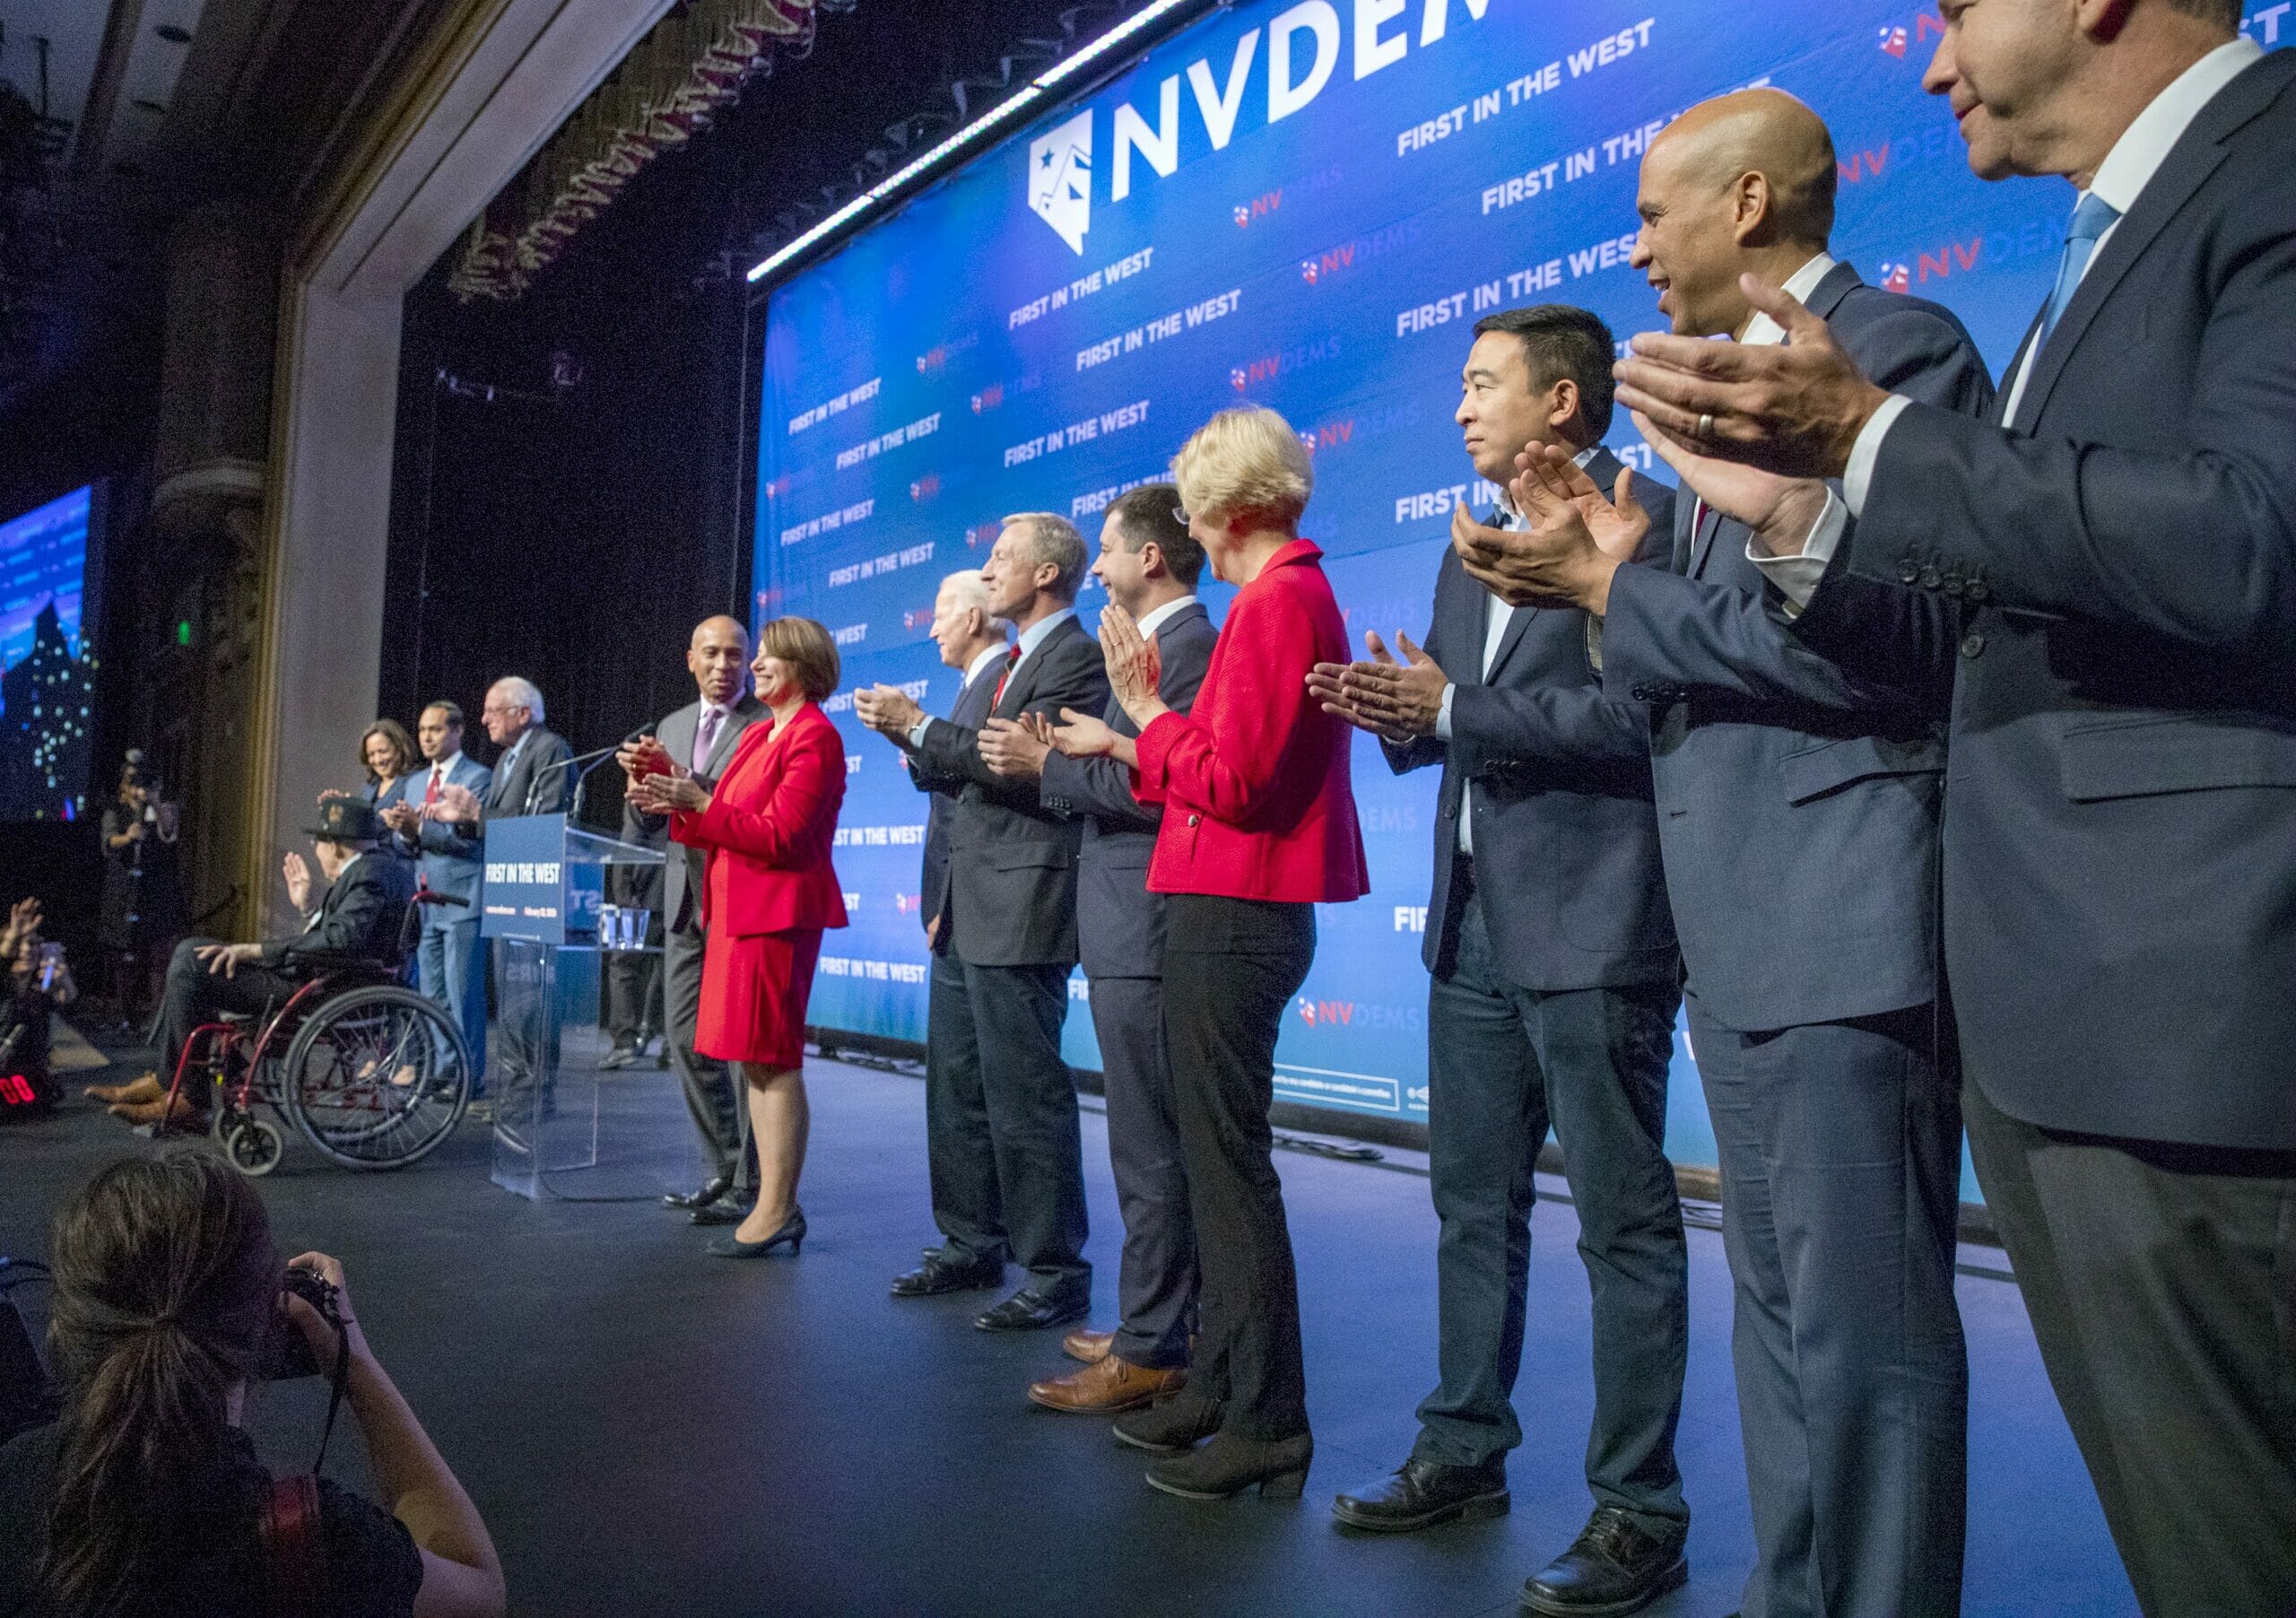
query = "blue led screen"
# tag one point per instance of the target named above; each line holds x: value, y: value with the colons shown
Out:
x: 1302, y: 205
x: 47, y: 660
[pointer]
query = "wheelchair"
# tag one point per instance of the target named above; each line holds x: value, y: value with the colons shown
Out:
x: 372, y: 1073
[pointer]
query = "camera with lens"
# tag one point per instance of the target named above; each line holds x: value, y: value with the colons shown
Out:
x: 289, y: 1356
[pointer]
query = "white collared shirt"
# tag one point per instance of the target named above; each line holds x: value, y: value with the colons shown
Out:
x: 1164, y: 615
x: 988, y: 655
x: 2120, y: 180
x: 444, y: 769
x: 1498, y: 618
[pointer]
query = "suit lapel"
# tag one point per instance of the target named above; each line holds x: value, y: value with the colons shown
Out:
x: 2196, y: 155
x: 2009, y: 377
x: 737, y: 724
x: 1702, y: 541
x: 1023, y: 684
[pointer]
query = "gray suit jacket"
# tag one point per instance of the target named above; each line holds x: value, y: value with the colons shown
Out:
x: 531, y: 786
x: 2120, y: 839
x: 1563, y: 826
x: 1012, y: 862
x: 683, y: 867
x: 1120, y: 923
x: 1798, y: 797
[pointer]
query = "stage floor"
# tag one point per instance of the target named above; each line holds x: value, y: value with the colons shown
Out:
x: 649, y: 1431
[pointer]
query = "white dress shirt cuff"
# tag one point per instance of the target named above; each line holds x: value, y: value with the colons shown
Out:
x: 1443, y: 715
x: 916, y: 732
x: 1796, y: 577
x: 1859, y: 476
x: 1593, y: 643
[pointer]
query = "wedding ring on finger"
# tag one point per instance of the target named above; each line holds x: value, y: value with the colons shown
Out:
x: 1706, y: 425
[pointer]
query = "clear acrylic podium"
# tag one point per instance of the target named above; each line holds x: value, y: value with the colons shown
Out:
x: 545, y: 880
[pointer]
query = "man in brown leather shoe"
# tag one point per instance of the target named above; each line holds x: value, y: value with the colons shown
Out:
x: 1110, y: 1386
x: 1150, y: 565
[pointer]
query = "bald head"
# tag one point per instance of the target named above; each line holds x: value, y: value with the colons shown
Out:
x: 718, y: 658
x: 1744, y: 182
x: 1767, y: 136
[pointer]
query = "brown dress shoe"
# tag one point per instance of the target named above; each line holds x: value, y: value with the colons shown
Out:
x: 1089, y: 1346
x: 146, y: 1088
x: 1106, y: 1386
x: 182, y: 1116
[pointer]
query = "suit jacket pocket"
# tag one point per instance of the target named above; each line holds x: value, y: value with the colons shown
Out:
x: 1022, y: 856
x: 1814, y: 772
x: 2162, y: 753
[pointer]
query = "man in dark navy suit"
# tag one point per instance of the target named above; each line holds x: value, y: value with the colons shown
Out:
x: 965, y: 1205
x: 2121, y: 844
x: 1148, y: 563
x: 1556, y: 982
x: 1011, y: 921
x: 1797, y: 801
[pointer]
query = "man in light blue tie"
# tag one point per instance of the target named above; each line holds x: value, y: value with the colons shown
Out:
x: 2120, y: 839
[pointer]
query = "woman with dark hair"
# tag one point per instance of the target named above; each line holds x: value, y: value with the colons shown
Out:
x: 388, y: 756
x: 770, y: 891
x: 145, y: 1499
x: 1259, y: 828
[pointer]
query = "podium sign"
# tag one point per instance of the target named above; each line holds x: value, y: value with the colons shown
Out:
x: 526, y: 894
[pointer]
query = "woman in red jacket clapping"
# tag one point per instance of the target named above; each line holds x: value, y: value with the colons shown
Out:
x: 1260, y: 827
x: 770, y: 890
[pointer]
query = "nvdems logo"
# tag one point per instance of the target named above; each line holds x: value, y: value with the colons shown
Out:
x: 1060, y: 178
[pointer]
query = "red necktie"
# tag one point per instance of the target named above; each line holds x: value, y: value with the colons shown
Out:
x: 1011, y: 657
x: 430, y: 793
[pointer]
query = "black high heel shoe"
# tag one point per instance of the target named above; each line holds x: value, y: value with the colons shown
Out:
x: 792, y: 1231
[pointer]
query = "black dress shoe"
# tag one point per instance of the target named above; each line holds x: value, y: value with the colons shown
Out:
x: 1230, y: 1464
x: 702, y: 1198
x: 1421, y: 1493
x: 942, y: 1274
x: 730, y: 1209
x: 1029, y: 1310
x: 621, y: 1055
x: 1169, y: 1425
x: 1613, y: 1568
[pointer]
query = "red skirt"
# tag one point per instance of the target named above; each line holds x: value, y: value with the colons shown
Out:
x: 753, y: 995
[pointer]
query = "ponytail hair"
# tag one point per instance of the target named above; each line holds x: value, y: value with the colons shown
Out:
x: 166, y: 1295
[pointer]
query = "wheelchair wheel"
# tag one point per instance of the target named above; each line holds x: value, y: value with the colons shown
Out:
x: 376, y: 1077
x: 253, y: 1146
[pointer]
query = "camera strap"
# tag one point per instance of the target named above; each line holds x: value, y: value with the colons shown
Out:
x: 340, y: 1382
x: 292, y: 1546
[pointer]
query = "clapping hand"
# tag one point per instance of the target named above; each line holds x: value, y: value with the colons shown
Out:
x: 673, y: 792
x: 1782, y: 511
x: 1795, y: 408
x: 1081, y: 735
x: 455, y: 804
x: 887, y: 709
x: 1393, y: 701
x: 1013, y: 749
x: 1574, y: 542
x: 641, y: 758
x: 403, y: 818
x: 1134, y: 668
x: 298, y: 873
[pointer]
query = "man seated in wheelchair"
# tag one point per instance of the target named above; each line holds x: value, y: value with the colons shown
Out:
x: 359, y: 921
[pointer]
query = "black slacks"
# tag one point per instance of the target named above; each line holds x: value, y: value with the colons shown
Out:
x: 194, y: 996
x: 1504, y: 1064
x: 2162, y: 1284
x: 1230, y: 966
x: 1003, y: 1144
x: 1156, y: 1282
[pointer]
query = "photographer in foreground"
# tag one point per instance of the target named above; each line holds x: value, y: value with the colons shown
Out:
x: 146, y: 1499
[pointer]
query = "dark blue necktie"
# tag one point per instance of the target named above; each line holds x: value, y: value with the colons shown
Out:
x: 2091, y: 218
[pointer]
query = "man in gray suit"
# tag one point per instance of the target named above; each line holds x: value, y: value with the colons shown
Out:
x: 1148, y: 563
x: 700, y: 736
x: 530, y: 777
x: 2120, y: 839
x: 1011, y: 921
x: 1556, y: 982
x: 1798, y: 804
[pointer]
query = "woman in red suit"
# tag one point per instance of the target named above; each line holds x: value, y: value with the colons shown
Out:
x: 767, y: 826
x: 1259, y: 828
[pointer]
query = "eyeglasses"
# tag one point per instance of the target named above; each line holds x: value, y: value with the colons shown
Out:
x: 1180, y: 517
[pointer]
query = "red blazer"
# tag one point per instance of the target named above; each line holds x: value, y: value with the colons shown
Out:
x: 1254, y: 778
x: 769, y: 828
